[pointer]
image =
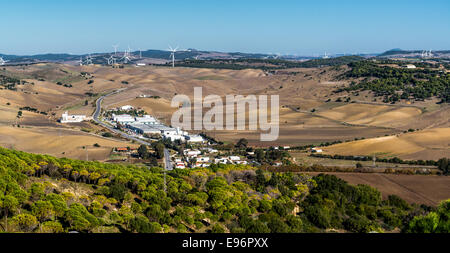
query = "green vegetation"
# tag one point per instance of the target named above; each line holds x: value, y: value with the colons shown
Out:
x: 433, y: 222
x: 9, y: 82
x: 211, y: 77
x: 107, y: 134
x: 132, y: 112
x: 267, y: 64
x: 40, y: 193
x: 394, y: 84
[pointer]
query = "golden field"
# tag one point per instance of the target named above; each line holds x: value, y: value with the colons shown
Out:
x: 305, y: 115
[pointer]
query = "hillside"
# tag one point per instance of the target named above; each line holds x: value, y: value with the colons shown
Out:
x: 40, y: 193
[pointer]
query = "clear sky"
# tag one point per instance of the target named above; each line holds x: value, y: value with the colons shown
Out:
x: 257, y: 26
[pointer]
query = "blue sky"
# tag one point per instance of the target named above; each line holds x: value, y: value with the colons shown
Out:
x: 287, y: 27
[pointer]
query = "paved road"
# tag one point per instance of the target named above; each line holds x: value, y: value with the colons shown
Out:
x: 167, y: 163
x: 95, y: 116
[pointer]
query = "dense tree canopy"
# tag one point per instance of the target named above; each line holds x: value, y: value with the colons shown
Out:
x: 40, y: 193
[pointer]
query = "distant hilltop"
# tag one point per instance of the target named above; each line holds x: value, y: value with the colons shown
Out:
x: 397, y: 52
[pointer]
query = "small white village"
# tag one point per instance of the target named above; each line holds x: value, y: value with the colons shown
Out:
x: 136, y: 123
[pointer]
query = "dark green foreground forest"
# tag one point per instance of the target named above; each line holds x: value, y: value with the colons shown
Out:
x: 40, y: 193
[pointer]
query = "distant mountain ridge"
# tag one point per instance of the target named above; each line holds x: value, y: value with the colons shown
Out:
x: 194, y: 54
x: 151, y: 53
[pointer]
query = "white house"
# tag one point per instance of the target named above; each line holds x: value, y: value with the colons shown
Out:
x: 211, y: 150
x: 192, y: 152
x: 66, y: 118
x: 126, y: 107
x: 201, y: 165
x: 180, y: 166
x: 234, y: 158
x: 316, y: 150
x: 221, y: 160
x: 410, y: 66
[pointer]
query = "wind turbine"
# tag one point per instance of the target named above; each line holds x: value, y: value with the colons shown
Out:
x: 115, y: 48
x: 80, y: 62
x: 89, y: 60
x: 140, y: 53
x: 2, y: 62
x: 172, y: 54
x: 111, y: 60
x: 127, y: 56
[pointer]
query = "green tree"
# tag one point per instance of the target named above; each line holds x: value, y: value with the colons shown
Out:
x: 434, y: 222
x: 117, y: 191
x: 159, y: 149
x: 444, y: 165
x: 24, y: 222
x: 242, y: 143
x: 257, y: 227
x: 217, y: 229
x: 9, y: 205
x: 80, y: 219
x: 143, y: 152
x: 259, y: 153
x: 42, y: 210
x: 58, y: 204
x: 51, y: 227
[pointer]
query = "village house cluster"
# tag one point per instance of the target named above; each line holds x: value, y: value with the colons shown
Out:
x: 204, y: 157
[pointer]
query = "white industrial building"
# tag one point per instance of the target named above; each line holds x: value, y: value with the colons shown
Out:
x: 128, y: 119
x: 146, y: 119
x: 150, y: 128
x: 123, y: 119
x: 175, y: 134
x: 66, y: 118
